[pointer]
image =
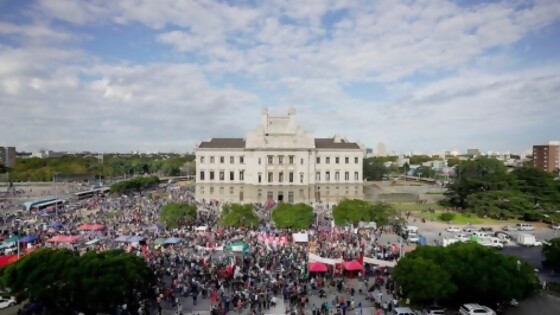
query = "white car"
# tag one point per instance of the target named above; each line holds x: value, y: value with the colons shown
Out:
x: 453, y: 229
x: 555, y: 226
x: 462, y: 237
x: 7, y: 302
x: 434, y: 310
x: 475, y: 309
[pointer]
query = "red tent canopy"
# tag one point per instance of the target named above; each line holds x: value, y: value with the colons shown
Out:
x: 63, y: 239
x: 6, y: 260
x: 91, y: 227
x: 317, y: 267
x: 353, y: 265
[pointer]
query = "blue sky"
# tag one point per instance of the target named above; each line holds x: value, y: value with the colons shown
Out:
x: 424, y: 76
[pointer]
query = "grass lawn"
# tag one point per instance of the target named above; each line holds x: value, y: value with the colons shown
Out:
x: 464, y: 219
x: 413, y: 206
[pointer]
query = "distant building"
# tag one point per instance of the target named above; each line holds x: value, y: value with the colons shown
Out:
x: 473, y: 152
x: 279, y: 162
x: 43, y: 154
x: 381, y: 149
x: 8, y: 156
x: 547, y: 157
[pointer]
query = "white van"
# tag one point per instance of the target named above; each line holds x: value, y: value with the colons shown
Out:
x: 480, y: 234
x: 525, y: 227
x: 403, y: 311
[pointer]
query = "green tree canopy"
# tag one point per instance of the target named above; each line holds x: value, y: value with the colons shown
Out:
x: 539, y: 186
x: 236, y: 214
x: 176, y: 214
x: 92, y: 283
x: 419, y: 159
x: 551, y: 253
x: 425, y: 171
x: 462, y: 273
x: 478, y: 175
x: 354, y: 211
x: 297, y: 216
x: 374, y: 169
x: 136, y: 184
x: 499, y: 204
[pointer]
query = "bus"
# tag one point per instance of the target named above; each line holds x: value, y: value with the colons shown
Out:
x: 49, y: 205
x: 91, y: 193
x: 30, y: 204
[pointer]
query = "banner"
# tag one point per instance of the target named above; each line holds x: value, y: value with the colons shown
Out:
x: 367, y: 260
x: 328, y: 261
x: 379, y: 262
x: 300, y: 237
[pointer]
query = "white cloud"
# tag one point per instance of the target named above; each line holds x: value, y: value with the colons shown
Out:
x: 289, y: 54
x: 34, y: 32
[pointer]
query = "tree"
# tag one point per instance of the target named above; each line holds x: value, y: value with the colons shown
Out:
x: 452, y: 161
x: 499, y: 204
x: 464, y: 272
x: 409, y: 274
x: 539, y: 186
x: 298, y: 216
x: 425, y: 171
x: 177, y: 214
x: 419, y: 159
x: 238, y: 215
x: 65, y: 282
x: 136, y: 184
x: 354, y: 211
x: 478, y: 175
x: 374, y: 169
x: 551, y: 253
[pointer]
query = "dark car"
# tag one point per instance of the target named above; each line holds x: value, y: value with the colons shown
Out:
x: 486, y: 229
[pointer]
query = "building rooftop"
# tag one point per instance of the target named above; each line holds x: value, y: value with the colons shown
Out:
x: 223, y: 143
x: 335, y: 143
x: 239, y: 143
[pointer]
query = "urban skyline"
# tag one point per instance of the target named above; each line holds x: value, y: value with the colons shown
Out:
x: 425, y: 76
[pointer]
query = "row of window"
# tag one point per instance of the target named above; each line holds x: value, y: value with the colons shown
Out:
x: 222, y: 175
x: 336, y: 176
x: 280, y: 159
x: 327, y: 160
x: 222, y: 159
x: 270, y: 194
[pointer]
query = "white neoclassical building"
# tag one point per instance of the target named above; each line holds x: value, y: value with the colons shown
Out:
x: 281, y: 162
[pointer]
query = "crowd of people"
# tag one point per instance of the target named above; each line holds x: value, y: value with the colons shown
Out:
x: 249, y: 280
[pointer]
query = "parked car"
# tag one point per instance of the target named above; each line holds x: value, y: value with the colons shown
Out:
x: 555, y: 226
x: 486, y: 229
x: 462, y: 237
x: 525, y: 227
x: 453, y: 229
x: 7, y: 302
x: 434, y: 310
x: 475, y: 309
x: 509, y: 228
x: 470, y: 229
x: 403, y: 311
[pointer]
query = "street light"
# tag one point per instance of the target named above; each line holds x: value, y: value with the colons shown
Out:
x: 518, y: 265
x: 56, y: 191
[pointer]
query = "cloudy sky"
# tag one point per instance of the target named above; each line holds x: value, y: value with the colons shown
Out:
x: 146, y: 75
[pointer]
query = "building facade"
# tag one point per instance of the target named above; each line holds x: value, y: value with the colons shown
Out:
x: 547, y: 157
x: 8, y: 156
x: 281, y: 162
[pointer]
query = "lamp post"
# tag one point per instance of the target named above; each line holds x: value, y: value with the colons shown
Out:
x: 55, y: 192
x: 518, y: 265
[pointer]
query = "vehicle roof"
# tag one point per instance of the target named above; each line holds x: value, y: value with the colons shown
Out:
x: 472, y: 305
x: 402, y: 309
